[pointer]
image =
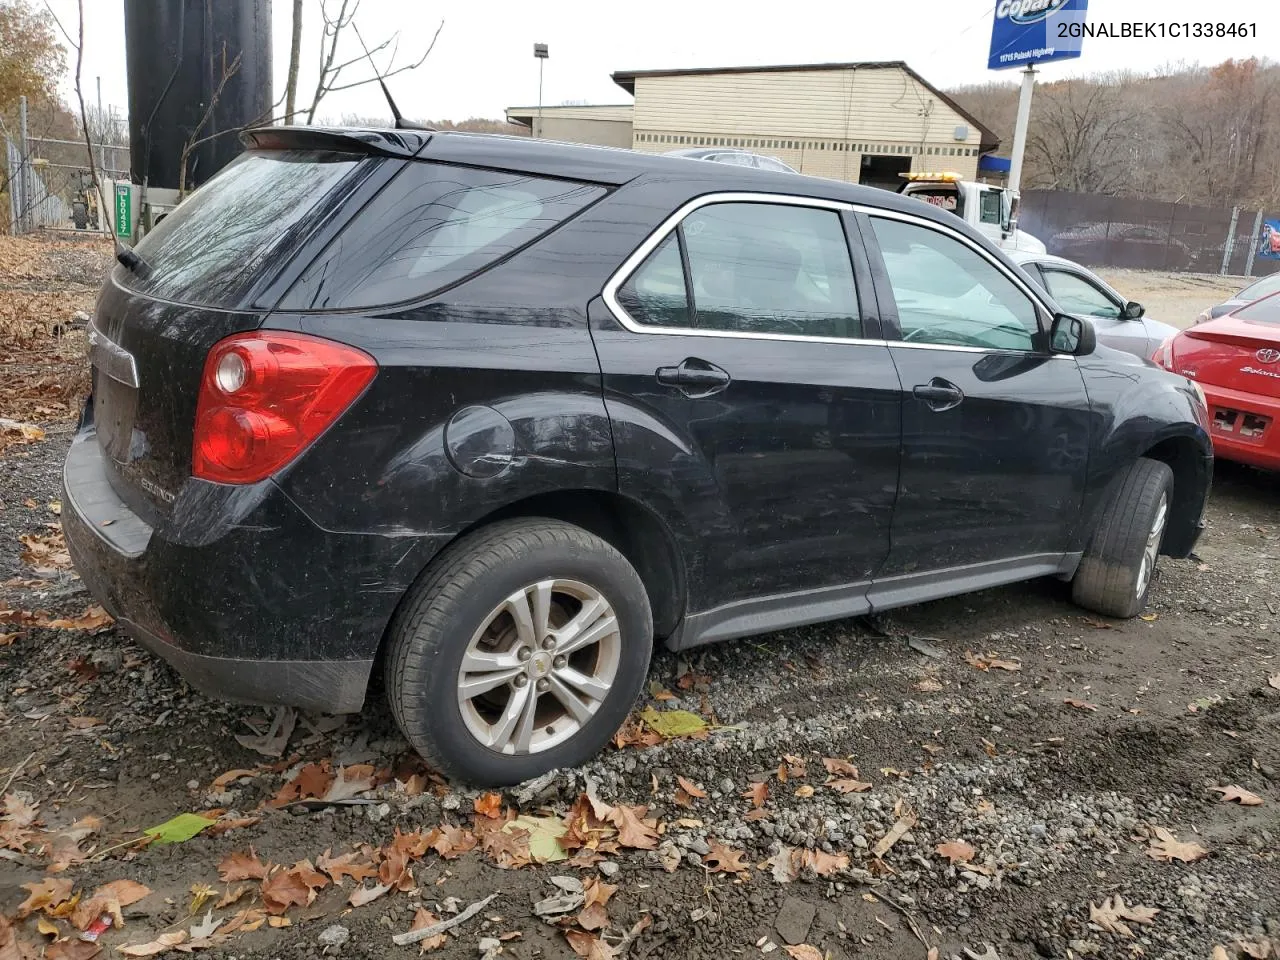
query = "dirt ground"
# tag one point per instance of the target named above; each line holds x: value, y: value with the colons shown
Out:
x: 1173, y: 298
x: 998, y: 775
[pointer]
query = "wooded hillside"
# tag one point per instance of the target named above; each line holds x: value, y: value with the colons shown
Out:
x: 1203, y: 135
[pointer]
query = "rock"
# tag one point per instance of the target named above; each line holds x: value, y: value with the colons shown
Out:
x: 489, y: 947
x: 333, y: 937
x: 726, y: 786
x: 794, y: 920
x: 608, y: 869
x: 451, y: 802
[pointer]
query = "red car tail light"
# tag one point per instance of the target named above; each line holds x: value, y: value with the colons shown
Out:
x: 265, y: 396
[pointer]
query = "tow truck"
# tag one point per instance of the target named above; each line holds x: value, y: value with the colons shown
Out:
x: 988, y: 208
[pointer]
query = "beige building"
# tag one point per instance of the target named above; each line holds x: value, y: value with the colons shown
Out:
x: 861, y: 122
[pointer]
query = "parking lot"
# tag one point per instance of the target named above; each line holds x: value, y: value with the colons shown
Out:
x: 996, y: 772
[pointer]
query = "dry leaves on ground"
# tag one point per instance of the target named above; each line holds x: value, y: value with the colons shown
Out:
x: 1239, y: 795
x: 724, y: 859
x: 1167, y: 847
x: 1114, y: 916
x: 1080, y: 704
x: 757, y: 793
x: 957, y: 851
x: 990, y: 662
x: 803, y: 951
x: 422, y: 920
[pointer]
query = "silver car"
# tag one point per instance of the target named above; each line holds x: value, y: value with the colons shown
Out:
x: 1254, y: 291
x: 1120, y: 323
x: 741, y: 158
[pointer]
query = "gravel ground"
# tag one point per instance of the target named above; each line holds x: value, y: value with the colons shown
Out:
x: 1050, y: 810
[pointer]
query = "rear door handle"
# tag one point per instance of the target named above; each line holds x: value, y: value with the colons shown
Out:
x: 939, y: 394
x: 694, y: 377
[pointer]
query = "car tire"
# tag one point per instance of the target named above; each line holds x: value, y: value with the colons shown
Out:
x: 474, y: 601
x: 1118, y: 567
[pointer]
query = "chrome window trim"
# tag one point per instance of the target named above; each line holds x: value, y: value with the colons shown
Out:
x: 112, y: 359
x: 668, y: 226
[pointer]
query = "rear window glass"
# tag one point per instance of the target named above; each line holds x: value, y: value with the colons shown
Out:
x: 214, y: 245
x: 433, y: 225
x: 1266, y: 310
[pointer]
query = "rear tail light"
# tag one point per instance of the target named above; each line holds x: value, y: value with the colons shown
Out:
x: 1163, y: 357
x: 265, y: 396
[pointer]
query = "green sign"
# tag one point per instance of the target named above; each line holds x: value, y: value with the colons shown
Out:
x: 124, y: 209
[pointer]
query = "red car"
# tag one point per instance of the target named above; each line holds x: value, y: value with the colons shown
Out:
x: 1236, y: 361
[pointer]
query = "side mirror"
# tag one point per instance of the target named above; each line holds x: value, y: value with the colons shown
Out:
x: 1133, y: 311
x: 1072, y: 335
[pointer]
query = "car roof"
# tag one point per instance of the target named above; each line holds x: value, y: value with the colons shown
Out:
x: 1028, y: 256
x: 613, y: 166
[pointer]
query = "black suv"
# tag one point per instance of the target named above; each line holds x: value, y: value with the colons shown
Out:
x: 495, y: 415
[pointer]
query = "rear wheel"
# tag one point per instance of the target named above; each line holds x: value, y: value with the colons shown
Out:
x: 521, y: 651
x: 1117, y: 569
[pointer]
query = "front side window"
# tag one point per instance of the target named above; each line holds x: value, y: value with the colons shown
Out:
x: 990, y: 207
x: 949, y: 294
x: 1077, y: 295
x: 432, y: 226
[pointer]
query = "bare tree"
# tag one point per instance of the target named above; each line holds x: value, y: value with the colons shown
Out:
x: 328, y: 80
x: 1082, y: 137
x: 194, y: 139
x: 295, y: 54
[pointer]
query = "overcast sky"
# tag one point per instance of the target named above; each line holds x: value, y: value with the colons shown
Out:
x: 483, y: 61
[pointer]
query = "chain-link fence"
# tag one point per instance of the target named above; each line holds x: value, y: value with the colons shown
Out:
x: 1148, y: 234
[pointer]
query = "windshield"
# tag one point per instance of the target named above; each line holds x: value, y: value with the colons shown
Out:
x: 1266, y: 310
x: 212, y: 247
x: 1262, y: 288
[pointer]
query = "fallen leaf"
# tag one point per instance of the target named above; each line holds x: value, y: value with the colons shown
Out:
x: 672, y: 724
x: 508, y: 846
x: 72, y: 950
x: 1011, y: 665
x: 840, y: 768
x: 802, y: 951
x: 696, y: 792
x: 43, y: 895
x: 544, y: 835
x: 633, y: 829
x: 347, y: 865
x: 246, y: 921
x: 348, y: 784
x: 180, y: 829
x: 957, y: 851
x: 1080, y: 704
x: 488, y: 805
x: 282, y: 890
x: 225, y: 780
x: 93, y: 618
x: 849, y: 786
x: 988, y: 747
x: 166, y: 941
x: 1258, y: 951
x: 1114, y: 913
x: 273, y: 742
x: 233, y: 895
x: 804, y: 791
x: 596, y: 894
x: 279, y: 922
x: 312, y: 782
x: 7, y: 638
x: 109, y: 898
x: 451, y: 842
x: 928, y: 685
x: 757, y: 793
x: 1168, y: 848
x: 588, y: 945
x: 896, y: 833
x: 241, y: 866
x: 1150, y: 617
x: 797, y: 769
x: 823, y: 864
x: 201, y: 893
x: 422, y: 919
x: 724, y: 859
x: 1239, y: 795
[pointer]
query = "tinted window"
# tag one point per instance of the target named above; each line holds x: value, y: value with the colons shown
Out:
x: 433, y: 226
x: 1077, y: 295
x: 213, y: 246
x: 655, y: 294
x: 948, y: 293
x: 771, y: 268
x: 1266, y: 310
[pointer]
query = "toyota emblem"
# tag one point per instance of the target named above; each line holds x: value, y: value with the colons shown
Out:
x: 1268, y: 355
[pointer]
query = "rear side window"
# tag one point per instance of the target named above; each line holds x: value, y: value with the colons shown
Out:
x: 656, y: 293
x: 218, y: 241
x: 433, y: 225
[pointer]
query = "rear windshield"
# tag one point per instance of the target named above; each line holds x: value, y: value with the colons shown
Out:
x: 213, y: 246
x: 1262, y: 288
x: 1266, y: 310
x: 433, y: 225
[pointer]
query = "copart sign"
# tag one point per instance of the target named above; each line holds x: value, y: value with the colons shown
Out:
x: 1027, y: 31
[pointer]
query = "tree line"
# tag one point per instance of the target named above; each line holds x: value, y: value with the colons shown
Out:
x: 1200, y: 135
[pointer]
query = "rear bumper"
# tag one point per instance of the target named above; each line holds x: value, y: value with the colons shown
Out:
x: 1231, y: 414
x: 249, y: 602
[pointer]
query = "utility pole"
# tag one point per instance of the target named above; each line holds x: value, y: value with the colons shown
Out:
x: 1020, y: 130
x: 539, y: 51
x: 24, y: 171
x: 102, y: 135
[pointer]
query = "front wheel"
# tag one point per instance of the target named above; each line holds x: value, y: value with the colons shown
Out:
x: 1118, y: 567
x: 521, y: 651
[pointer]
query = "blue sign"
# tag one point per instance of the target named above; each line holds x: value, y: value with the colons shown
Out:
x: 1036, y: 31
x: 1269, y: 241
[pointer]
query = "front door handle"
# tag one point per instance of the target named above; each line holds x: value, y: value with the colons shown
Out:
x: 694, y: 377
x: 939, y: 394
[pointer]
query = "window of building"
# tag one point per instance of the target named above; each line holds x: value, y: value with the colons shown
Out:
x: 949, y: 294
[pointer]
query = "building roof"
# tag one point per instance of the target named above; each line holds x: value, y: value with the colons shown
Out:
x: 626, y: 79
x: 572, y: 111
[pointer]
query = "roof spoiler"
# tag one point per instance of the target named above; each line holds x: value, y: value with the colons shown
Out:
x: 392, y: 143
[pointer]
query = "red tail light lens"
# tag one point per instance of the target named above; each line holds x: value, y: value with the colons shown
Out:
x: 266, y: 396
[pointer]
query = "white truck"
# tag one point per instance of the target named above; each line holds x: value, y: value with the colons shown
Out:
x: 990, y: 209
